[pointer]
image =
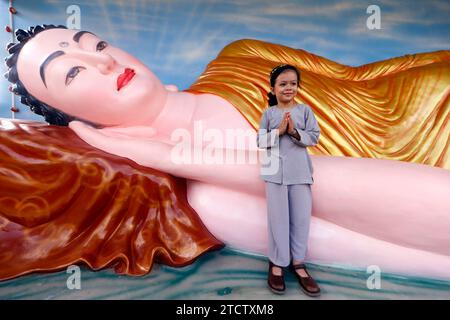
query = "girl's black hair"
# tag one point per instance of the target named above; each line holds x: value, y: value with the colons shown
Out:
x: 273, y: 77
x: 51, y: 115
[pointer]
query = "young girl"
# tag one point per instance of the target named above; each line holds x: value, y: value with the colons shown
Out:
x: 286, y: 129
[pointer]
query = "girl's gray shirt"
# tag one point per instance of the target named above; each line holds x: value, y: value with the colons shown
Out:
x: 286, y: 160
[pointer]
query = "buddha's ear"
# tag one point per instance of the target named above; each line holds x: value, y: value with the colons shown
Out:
x: 171, y: 87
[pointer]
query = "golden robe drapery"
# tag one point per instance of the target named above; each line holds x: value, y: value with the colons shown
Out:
x: 395, y: 109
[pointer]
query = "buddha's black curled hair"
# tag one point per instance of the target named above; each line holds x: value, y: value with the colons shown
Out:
x: 273, y: 77
x: 51, y: 115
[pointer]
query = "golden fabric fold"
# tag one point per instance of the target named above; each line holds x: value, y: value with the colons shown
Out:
x: 395, y: 109
x: 63, y: 201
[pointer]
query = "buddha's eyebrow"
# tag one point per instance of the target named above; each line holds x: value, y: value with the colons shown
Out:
x: 79, y: 34
x: 52, y: 56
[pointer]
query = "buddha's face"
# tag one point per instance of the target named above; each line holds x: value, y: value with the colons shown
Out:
x: 81, y: 75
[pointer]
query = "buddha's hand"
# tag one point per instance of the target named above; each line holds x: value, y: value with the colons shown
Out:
x: 136, y: 143
x: 127, y: 132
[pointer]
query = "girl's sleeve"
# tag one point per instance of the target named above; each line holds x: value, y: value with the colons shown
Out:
x: 310, y: 135
x: 266, y: 138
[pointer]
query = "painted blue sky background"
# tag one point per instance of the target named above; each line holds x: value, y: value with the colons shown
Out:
x: 178, y: 38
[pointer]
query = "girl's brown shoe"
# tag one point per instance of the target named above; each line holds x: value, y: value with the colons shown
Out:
x: 307, y: 284
x: 276, y: 283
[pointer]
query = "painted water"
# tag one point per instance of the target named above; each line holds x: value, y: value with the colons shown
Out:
x: 225, y: 274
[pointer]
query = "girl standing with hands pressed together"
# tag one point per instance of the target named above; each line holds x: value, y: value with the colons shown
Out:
x: 286, y: 130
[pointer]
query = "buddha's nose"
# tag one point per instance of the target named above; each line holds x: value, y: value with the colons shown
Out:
x: 106, y: 63
x: 102, y: 61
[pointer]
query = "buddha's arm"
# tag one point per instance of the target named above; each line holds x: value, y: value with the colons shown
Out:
x: 196, y: 164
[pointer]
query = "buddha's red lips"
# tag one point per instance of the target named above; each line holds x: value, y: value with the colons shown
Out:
x: 124, y: 78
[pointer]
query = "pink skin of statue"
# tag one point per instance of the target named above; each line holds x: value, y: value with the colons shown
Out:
x: 391, y: 214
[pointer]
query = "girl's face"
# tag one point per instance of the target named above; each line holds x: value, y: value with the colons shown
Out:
x: 83, y: 76
x: 286, y: 86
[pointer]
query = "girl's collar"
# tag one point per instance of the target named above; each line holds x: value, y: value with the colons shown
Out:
x: 286, y: 109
